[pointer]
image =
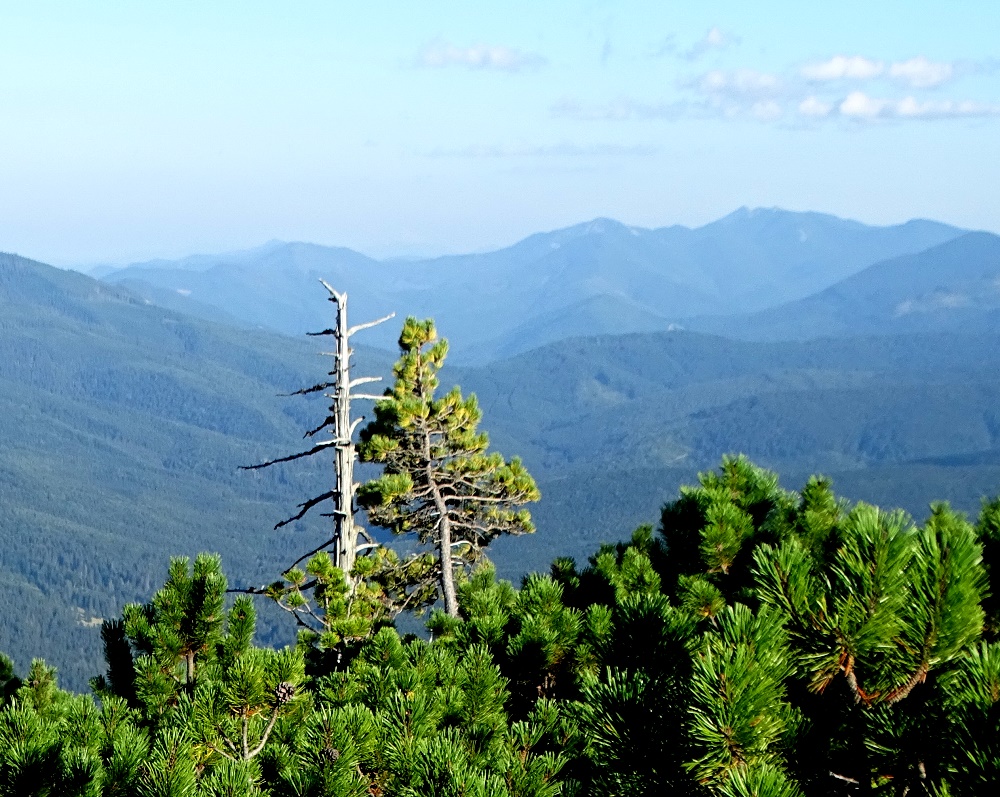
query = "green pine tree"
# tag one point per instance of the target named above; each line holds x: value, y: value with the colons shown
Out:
x: 439, y: 482
x: 209, y: 699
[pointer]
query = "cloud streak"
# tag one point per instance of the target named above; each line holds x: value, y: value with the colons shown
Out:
x: 839, y: 88
x: 739, y: 83
x: 918, y: 72
x: 715, y: 39
x: 842, y: 67
x: 619, y: 109
x: 439, y: 55
x: 858, y: 105
x: 814, y: 107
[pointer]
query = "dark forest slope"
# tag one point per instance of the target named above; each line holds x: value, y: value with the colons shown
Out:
x: 124, y: 424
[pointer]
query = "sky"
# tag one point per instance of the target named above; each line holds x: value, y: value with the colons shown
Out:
x: 133, y: 129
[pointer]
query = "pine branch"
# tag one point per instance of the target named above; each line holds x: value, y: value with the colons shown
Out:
x: 363, y: 380
x: 328, y: 421
x: 267, y: 733
x: 918, y: 677
x: 310, y: 554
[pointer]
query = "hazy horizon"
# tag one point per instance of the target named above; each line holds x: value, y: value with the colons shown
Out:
x: 431, y: 254
x: 141, y: 131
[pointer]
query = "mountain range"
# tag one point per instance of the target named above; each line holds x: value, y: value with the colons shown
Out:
x: 954, y: 286
x: 600, y: 277
x: 125, y: 422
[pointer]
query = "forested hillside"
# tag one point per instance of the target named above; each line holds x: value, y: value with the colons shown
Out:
x: 124, y: 429
x: 899, y: 421
x: 747, y: 647
x: 128, y: 423
x: 952, y: 287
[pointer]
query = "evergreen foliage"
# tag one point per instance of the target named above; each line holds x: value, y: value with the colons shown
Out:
x: 438, y: 481
x: 840, y: 649
x: 759, y: 642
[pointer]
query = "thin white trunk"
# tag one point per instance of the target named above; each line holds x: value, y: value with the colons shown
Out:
x: 447, y: 568
x: 345, y: 533
x: 343, y: 513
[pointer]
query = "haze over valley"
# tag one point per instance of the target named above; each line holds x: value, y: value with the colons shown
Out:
x: 597, y: 277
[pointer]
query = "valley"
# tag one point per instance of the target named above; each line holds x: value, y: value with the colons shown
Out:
x: 127, y: 420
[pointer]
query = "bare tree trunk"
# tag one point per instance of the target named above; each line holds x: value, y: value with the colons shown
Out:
x: 444, y: 521
x: 343, y: 542
x: 344, y: 531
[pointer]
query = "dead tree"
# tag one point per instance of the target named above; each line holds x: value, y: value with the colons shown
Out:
x: 343, y: 543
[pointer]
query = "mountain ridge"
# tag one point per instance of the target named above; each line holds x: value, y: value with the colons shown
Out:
x: 952, y: 286
x: 486, y: 302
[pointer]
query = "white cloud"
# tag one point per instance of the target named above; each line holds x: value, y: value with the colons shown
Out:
x: 478, y: 56
x: 715, y: 39
x: 739, y: 83
x: 841, y: 66
x: 859, y: 105
x: 815, y: 107
x: 911, y: 108
x: 920, y: 73
x: 625, y: 108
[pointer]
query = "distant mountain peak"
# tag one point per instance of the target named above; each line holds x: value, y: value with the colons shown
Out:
x: 602, y: 225
x: 743, y: 213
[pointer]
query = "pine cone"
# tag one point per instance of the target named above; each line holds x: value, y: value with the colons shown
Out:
x: 284, y: 692
x: 331, y: 754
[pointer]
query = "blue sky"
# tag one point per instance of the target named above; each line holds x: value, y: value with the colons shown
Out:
x: 138, y: 129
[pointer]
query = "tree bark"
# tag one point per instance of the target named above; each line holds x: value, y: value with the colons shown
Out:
x: 441, y: 507
x: 447, y: 568
x: 347, y: 536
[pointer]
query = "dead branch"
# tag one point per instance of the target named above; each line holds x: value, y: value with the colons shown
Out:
x: 306, y: 390
x: 370, y: 324
x: 314, y: 450
x: 328, y: 421
x: 304, y: 507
